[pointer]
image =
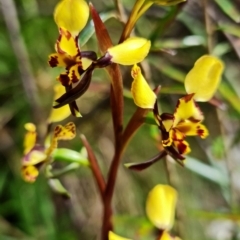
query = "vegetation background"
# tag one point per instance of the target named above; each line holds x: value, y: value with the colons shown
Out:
x: 209, y: 186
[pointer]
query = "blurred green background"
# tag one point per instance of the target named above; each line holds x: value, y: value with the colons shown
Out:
x: 209, y: 186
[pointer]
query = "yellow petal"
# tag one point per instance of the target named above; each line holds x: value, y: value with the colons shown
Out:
x: 204, y: 78
x: 34, y: 157
x: 58, y: 114
x: 57, y: 60
x: 66, y: 132
x: 29, y: 173
x: 68, y: 45
x: 187, y: 109
x: 131, y: 51
x: 160, y: 206
x: 113, y: 236
x: 167, y: 2
x: 193, y: 129
x: 71, y: 15
x: 143, y: 95
x: 86, y: 63
x: 74, y: 74
x: 182, y: 147
x: 167, y: 236
x: 30, y: 137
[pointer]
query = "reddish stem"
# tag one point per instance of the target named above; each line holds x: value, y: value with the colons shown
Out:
x: 94, y: 167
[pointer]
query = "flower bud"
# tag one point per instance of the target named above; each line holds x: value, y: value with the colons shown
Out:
x: 71, y: 15
x: 160, y: 206
x: 204, y: 78
x: 131, y: 51
x: 143, y: 95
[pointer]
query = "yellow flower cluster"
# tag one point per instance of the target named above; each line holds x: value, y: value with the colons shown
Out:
x: 200, y: 83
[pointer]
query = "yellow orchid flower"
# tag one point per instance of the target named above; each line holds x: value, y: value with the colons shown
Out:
x: 143, y: 95
x: 71, y: 15
x: 67, y: 55
x: 186, y: 121
x: 204, y: 78
x: 131, y: 51
x: 160, y: 206
x: 35, y: 155
x: 113, y: 236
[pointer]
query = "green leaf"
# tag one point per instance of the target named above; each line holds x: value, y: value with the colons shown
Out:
x: 230, y: 95
x: 57, y: 187
x: 67, y: 155
x: 207, y: 171
x: 195, y: 25
x: 217, y: 148
x: 216, y: 215
x: 231, y: 10
x: 63, y: 171
x: 174, y: 43
x: 230, y: 28
x: 221, y: 49
x: 167, y: 70
x: 89, y: 30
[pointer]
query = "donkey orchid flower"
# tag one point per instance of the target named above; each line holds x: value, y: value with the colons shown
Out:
x: 36, y: 155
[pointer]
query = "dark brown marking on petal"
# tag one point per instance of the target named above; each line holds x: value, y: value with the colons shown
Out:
x: 200, y: 131
x: 188, y: 97
x: 77, y: 46
x: 73, y: 77
x: 194, y: 120
x: 69, y: 61
x: 181, y: 147
x: 64, y: 79
x: 66, y: 33
x: 167, y: 116
x: 53, y: 61
x: 71, y: 127
x: 57, y: 130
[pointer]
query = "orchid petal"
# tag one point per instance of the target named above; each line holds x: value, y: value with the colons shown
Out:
x: 57, y: 60
x: 167, y: 236
x: 71, y: 15
x: 34, y: 157
x: 204, y: 78
x: 187, y: 109
x: 30, y: 137
x: 143, y: 95
x: 29, y: 173
x: 160, y: 206
x: 131, y: 51
x: 59, y: 114
x: 67, y: 44
x: 66, y: 132
x: 113, y: 236
x: 182, y: 146
x: 192, y: 129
